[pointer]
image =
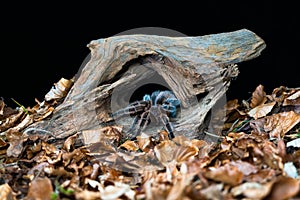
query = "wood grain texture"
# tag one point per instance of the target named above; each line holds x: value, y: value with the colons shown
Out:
x: 196, y: 67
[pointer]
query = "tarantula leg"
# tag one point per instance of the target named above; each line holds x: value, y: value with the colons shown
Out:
x: 133, y: 126
x: 132, y: 109
x: 139, y: 124
x: 168, y: 126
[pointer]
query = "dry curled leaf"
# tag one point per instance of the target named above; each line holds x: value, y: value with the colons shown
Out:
x: 165, y: 151
x: 109, y: 133
x: 116, y: 191
x: 6, y: 193
x: 130, y: 145
x: 258, y: 96
x: 59, y: 90
x: 284, y: 188
x: 40, y: 188
x: 11, y: 120
x: 279, y: 124
x: 145, y: 143
x: 15, y: 141
x: 261, y: 110
x: 293, y: 99
x: 252, y: 190
x: 228, y: 174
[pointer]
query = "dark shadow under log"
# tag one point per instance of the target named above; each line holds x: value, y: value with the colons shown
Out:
x: 197, y: 69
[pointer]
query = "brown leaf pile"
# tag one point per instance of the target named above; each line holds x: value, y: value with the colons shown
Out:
x: 258, y: 156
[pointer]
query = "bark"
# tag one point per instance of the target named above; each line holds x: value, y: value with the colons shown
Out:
x: 198, y: 69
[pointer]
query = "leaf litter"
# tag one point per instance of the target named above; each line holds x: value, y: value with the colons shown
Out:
x: 257, y: 156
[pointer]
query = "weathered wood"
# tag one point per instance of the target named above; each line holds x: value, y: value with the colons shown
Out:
x: 198, y: 67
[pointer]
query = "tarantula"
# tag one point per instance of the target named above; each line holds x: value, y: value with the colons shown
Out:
x: 156, y: 108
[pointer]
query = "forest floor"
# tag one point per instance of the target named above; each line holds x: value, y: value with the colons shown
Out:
x: 257, y: 156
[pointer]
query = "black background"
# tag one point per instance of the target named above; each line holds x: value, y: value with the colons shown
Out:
x: 42, y: 43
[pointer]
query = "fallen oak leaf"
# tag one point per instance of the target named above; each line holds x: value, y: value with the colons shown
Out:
x: 272, y: 155
x: 24, y: 123
x: 70, y: 143
x: 253, y: 190
x: 6, y: 111
x: 15, y: 140
x: 293, y: 99
x: 116, y: 191
x: 258, y: 96
x: 213, y: 191
x: 245, y: 167
x: 183, y: 180
x: 280, y: 93
x: 261, y: 110
x: 59, y: 90
x: 279, y: 124
x: 111, y: 134
x: 284, y: 188
x: 11, y: 121
x: 40, y: 188
x: 262, y: 176
x: 293, y: 143
x: 130, y: 145
x: 6, y: 193
x: 290, y: 170
x: 227, y: 173
x: 145, y: 143
x: 87, y: 195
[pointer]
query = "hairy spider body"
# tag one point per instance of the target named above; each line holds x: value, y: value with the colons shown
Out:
x: 156, y: 109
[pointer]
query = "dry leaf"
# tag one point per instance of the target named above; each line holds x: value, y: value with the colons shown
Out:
x: 258, y: 96
x: 262, y: 176
x: 6, y: 193
x: 271, y: 155
x: 293, y: 99
x: 244, y: 167
x: 226, y: 174
x: 130, y: 145
x: 11, y: 120
x: 291, y: 170
x: 279, y: 124
x: 165, y: 151
x: 252, y: 190
x: 87, y: 195
x: 261, y: 110
x: 184, y: 153
x: 145, y: 143
x: 293, y: 143
x: 70, y: 142
x: 231, y: 105
x: 59, y: 90
x: 15, y: 141
x: 284, y: 188
x: 24, y: 123
x: 109, y: 133
x: 182, y: 182
x: 112, y: 192
x: 40, y: 189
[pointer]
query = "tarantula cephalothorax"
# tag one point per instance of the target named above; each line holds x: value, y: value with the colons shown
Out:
x: 157, y: 108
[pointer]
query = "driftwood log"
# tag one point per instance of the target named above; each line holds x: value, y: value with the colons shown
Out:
x: 198, y: 69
